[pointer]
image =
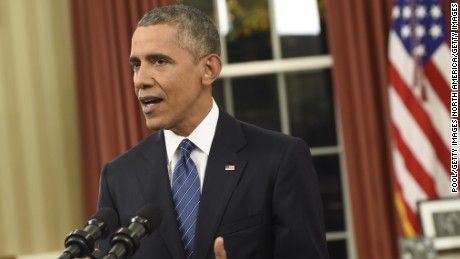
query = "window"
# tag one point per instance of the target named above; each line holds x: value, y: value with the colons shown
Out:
x: 277, y: 76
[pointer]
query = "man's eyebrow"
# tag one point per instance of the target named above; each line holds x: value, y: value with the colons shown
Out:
x: 133, y: 59
x: 157, y: 56
x: 152, y: 56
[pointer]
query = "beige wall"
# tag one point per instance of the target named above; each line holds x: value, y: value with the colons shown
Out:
x: 40, y: 195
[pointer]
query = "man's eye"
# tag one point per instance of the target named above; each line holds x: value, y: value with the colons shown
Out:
x: 160, y: 61
x: 135, y: 65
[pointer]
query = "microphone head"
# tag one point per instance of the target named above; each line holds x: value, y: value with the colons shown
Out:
x: 150, y: 216
x: 80, y: 243
x: 106, y: 219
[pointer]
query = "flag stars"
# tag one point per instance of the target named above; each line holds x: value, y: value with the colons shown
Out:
x: 419, y: 25
x: 435, y: 11
x: 405, y: 31
x: 407, y: 12
x: 419, y: 31
x: 396, y: 12
x: 419, y: 50
x: 420, y: 12
x: 435, y: 31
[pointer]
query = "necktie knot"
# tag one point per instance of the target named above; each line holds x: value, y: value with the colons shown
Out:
x: 186, y: 146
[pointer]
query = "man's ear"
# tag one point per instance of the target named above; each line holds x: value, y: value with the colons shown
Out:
x: 212, y: 67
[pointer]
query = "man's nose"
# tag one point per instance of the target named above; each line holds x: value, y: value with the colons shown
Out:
x: 143, y: 77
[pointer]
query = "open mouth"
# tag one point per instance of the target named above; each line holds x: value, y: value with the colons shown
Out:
x: 149, y: 103
x: 146, y: 101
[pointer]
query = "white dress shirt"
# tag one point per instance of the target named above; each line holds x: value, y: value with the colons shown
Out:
x: 202, y: 136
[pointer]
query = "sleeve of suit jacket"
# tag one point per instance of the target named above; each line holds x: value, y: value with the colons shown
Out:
x: 297, y: 210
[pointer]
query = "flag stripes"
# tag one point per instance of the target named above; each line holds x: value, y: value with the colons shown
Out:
x: 423, y: 179
x: 422, y: 117
x: 419, y: 96
x: 419, y: 142
x: 440, y: 87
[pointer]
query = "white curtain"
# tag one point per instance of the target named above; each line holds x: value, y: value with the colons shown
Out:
x: 40, y: 183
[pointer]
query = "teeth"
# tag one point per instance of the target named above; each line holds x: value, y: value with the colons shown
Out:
x: 151, y: 101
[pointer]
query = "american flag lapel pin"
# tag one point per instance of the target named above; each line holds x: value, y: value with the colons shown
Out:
x: 230, y: 167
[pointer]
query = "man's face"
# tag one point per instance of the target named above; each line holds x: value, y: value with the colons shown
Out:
x: 167, y: 81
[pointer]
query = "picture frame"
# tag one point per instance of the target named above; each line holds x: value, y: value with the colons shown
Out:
x: 440, y: 220
x: 417, y: 248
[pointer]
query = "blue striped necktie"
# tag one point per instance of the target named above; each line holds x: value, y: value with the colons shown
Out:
x: 186, y: 196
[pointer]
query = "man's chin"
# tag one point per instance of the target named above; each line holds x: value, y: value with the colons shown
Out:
x: 152, y: 125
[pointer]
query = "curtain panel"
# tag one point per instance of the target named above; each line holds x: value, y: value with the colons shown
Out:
x: 358, y: 33
x: 109, y: 115
x: 40, y: 188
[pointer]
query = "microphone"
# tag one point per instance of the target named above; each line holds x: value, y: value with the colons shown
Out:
x: 126, y: 241
x: 80, y: 243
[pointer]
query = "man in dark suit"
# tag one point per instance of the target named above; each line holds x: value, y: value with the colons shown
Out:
x: 211, y: 175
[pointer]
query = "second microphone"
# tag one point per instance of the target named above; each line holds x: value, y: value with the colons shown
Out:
x: 126, y: 240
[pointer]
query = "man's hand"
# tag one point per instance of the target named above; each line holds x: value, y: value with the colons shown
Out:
x: 219, y: 249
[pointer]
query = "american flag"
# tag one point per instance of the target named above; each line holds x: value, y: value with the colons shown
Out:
x: 419, y: 96
x: 230, y: 167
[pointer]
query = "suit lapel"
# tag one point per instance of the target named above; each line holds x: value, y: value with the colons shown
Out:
x: 219, y: 181
x: 155, y: 187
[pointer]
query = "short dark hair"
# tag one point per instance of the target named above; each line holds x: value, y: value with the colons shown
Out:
x: 196, y: 31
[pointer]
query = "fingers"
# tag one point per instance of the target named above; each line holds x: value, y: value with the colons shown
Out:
x: 219, y: 249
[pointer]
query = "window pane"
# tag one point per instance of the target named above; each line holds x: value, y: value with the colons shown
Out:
x: 303, y: 45
x: 248, y: 32
x: 256, y: 101
x: 337, y: 249
x: 328, y: 170
x: 301, y: 27
x: 204, y: 5
x: 311, y: 107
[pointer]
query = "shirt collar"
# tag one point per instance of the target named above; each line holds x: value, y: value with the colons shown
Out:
x: 202, y: 136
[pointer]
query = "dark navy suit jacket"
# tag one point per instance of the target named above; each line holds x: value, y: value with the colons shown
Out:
x: 268, y: 207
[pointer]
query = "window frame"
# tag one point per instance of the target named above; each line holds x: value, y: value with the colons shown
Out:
x: 280, y: 66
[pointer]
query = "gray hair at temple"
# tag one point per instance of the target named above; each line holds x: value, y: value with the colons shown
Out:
x: 196, y: 31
